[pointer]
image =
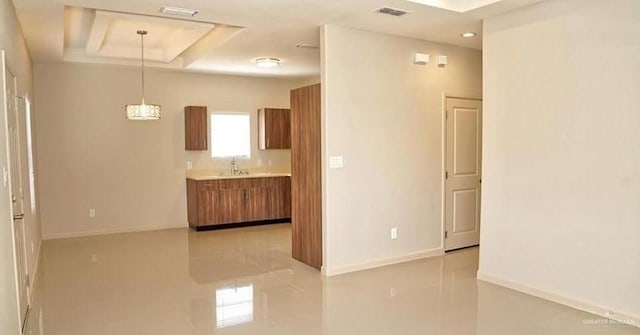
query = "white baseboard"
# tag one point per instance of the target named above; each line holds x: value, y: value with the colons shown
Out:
x: 630, y: 319
x: 56, y: 236
x: 327, y: 272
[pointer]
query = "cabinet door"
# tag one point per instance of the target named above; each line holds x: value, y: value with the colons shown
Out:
x: 275, y: 128
x: 280, y: 198
x: 230, y: 205
x: 192, y: 203
x: 195, y: 128
x: 257, y: 203
x: 206, y: 203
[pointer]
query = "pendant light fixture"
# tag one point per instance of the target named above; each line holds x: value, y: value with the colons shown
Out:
x: 143, y: 111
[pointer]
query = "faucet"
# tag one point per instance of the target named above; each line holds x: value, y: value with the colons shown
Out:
x: 234, y: 167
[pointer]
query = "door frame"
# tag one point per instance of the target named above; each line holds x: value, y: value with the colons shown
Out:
x: 445, y: 96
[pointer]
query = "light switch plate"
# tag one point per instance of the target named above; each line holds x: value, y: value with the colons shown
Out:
x: 336, y: 162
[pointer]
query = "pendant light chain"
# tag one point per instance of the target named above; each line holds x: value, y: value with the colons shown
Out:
x: 142, y: 33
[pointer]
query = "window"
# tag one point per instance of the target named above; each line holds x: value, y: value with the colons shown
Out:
x: 230, y: 135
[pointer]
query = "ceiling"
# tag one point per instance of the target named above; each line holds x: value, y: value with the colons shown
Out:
x: 227, y: 36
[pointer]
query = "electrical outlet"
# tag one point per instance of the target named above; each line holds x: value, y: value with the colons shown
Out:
x: 94, y: 258
x: 189, y: 165
x: 392, y: 292
x: 92, y: 213
x: 394, y: 233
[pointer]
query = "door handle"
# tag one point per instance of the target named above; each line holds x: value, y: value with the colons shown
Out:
x: 18, y: 217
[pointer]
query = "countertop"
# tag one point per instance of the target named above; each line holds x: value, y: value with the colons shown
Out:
x: 211, y: 175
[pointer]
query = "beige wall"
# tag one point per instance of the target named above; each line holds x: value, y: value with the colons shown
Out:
x: 561, y: 186
x: 131, y: 173
x: 384, y: 115
x: 19, y: 63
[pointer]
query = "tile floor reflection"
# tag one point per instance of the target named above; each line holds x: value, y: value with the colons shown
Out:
x: 243, y: 281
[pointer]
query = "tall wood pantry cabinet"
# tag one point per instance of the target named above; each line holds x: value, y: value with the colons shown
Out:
x: 306, y: 180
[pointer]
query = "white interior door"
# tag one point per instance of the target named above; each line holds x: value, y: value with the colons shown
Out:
x: 463, y: 172
x: 17, y: 199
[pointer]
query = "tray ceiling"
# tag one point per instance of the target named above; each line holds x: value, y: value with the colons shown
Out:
x: 227, y: 36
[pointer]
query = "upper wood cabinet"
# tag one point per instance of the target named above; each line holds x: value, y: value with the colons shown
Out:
x: 195, y: 128
x: 274, y: 128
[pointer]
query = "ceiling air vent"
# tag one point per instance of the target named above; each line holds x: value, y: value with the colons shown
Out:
x: 178, y: 11
x: 391, y: 11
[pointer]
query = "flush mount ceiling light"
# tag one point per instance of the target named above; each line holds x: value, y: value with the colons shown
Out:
x: 468, y: 35
x: 178, y: 11
x: 143, y: 111
x: 267, y: 62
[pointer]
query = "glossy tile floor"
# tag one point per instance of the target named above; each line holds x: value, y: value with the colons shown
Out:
x: 243, y: 281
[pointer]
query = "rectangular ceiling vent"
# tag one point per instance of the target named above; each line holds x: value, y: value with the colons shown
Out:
x: 391, y: 11
x: 178, y: 11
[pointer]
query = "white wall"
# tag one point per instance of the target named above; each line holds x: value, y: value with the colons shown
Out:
x: 132, y: 173
x: 384, y: 115
x: 561, y: 185
x: 18, y: 61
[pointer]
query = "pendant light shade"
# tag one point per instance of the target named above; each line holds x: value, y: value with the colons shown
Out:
x: 143, y: 111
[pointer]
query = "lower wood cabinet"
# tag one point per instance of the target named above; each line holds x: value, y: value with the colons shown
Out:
x: 224, y: 201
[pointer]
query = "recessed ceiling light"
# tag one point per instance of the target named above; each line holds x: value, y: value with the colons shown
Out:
x: 267, y: 62
x: 468, y: 35
x: 178, y: 11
